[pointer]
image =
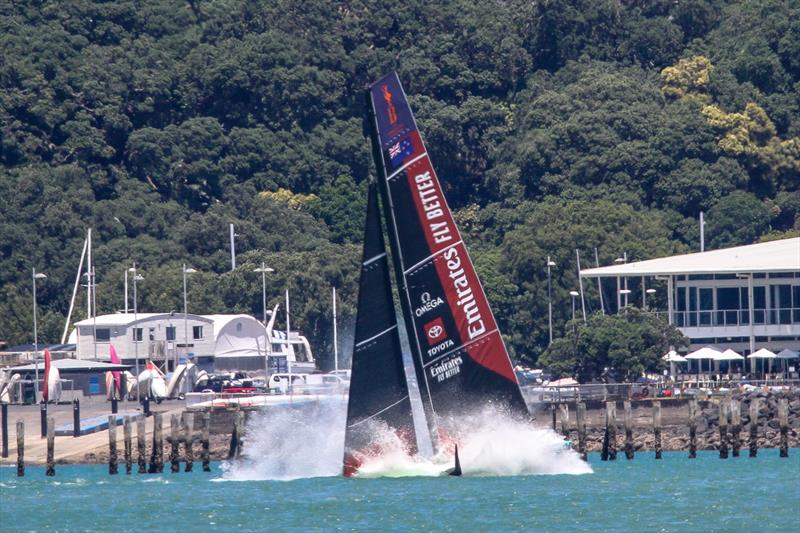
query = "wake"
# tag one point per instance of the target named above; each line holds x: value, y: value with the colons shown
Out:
x: 292, y: 443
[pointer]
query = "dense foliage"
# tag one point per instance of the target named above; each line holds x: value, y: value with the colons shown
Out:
x: 554, y: 126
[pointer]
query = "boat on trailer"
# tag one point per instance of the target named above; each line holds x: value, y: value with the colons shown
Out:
x: 460, y: 360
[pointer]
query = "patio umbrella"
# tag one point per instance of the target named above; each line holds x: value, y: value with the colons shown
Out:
x: 672, y: 357
x: 763, y: 353
x: 785, y: 355
x: 706, y: 352
x: 730, y: 355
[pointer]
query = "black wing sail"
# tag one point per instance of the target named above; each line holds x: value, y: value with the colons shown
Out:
x: 460, y: 358
x: 378, y: 387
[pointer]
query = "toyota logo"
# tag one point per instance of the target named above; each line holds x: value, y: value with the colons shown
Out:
x: 435, y: 331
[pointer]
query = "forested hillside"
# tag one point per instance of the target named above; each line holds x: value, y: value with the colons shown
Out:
x: 554, y: 126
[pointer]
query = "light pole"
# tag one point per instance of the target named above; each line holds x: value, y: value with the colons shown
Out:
x: 136, y: 277
x: 36, y: 276
x: 625, y: 293
x: 650, y: 292
x: 550, y: 298
x: 574, y: 295
x: 263, y: 269
x: 185, y: 317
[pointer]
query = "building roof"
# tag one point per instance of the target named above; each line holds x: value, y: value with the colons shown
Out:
x: 773, y: 256
x: 122, y: 319
x: 220, y: 321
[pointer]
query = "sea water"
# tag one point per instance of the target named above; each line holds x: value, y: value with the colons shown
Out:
x: 673, y: 494
x: 515, y: 478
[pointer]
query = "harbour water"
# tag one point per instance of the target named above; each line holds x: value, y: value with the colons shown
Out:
x: 674, y: 494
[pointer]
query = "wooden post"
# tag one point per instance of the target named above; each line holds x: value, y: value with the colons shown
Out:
x: 564, y: 410
x: 723, y: 428
x: 141, y: 458
x: 628, y: 431
x: 157, y: 455
x: 783, y: 420
x: 112, y: 444
x: 657, y: 428
x: 51, y: 442
x: 206, y: 430
x: 580, y: 420
x: 611, y: 424
x: 604, y: 450
x: 20, y: 448
x: 4, y: 409
x: 753, y: 427
x: 553, y: 414
x: 240, y: 425
x: 76, y: 418
x: 736, y: 426
x: 174, y: 458
x: 126, y: 433
x: 188, y: 441
x: 692, y: 428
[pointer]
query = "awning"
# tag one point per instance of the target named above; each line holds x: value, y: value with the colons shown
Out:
x: 674, y: 357
x: 730, y: 355
x: 786, y: 353
x: 75, y: 366
x: 706, y: 352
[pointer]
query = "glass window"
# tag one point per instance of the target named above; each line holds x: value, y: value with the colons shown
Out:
x: 102, y: 335
x: 706, y: 305
x: 796, y: 304
x: 197, y: 332
x: 137, y: 334
x: 170, y: 333
x: 728, y: 298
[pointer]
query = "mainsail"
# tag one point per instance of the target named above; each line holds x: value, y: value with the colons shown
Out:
x: 378, y: 388
x: 460, y: 359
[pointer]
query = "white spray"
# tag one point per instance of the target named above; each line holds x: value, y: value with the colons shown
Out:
x: 297, y: 442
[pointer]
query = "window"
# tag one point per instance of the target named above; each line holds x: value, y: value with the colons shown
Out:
x: 796, y: 304
x: 238, y: 326
x: 170, y: 333
x: 102, y: 335
x: 197, y: 332
x: 137, y: 334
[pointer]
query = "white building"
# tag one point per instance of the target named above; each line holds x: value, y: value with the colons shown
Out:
x: 743, y: 298
x: 235, y: 342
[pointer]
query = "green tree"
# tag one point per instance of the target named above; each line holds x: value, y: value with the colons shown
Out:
x: 627, y: 345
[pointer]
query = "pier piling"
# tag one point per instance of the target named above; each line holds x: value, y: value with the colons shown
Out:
x: 51, y: 438
x: 157, y: 455
x: 580, y: 420
x: 611, y: 425
x: 753, y: 427
x: 43, y: 417
x: 204, y: 437
x: 564, y: 411
x: 657, y: 428
x: 4, y: 410
x: 783, y: 420
x: 141, y: 457
x: 20, y: 448
x: 126, y: 435
x: 723, y: 428
x: 187, y: 422
x: 628, y: 430
x: 114, y: 405
x: 112, y: 444
x: 736, y: 427
x: 76, y: 418
x: 553, y: 414
x: 174, y: 458
x: 692, y: 428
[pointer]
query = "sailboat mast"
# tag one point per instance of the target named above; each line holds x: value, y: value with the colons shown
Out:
x: 394, y: 244
x: 89, y: 313
x: 335, y: 339
x: 74, y: 293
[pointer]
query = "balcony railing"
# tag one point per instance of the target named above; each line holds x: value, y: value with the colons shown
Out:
x: 736, y: 317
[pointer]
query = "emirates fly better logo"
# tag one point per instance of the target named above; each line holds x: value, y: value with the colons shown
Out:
x: 434, y: 331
